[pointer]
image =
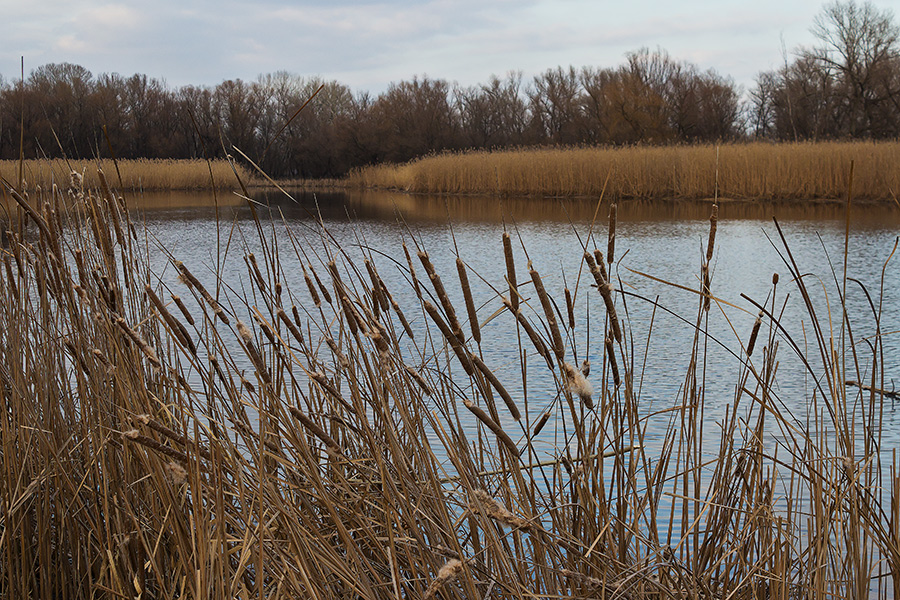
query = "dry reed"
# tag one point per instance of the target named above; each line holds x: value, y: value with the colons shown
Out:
x: 138, y: 459
x: 758, y: 171
x: 136, y: 175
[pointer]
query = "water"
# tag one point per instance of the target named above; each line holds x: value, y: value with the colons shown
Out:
x: 665, y: 240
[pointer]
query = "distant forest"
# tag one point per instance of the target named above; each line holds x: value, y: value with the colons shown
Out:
x: 845, y: 86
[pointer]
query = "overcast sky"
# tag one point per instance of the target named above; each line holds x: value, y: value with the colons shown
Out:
x: 368, y: 44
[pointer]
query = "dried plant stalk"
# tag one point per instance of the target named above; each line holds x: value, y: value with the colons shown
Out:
x: 470, y: 302
x: 549, y: 313
x: 195, y: 284
x: 492, y: 425
x: 510, y: 272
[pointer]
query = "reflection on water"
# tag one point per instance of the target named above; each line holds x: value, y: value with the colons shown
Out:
x: 387, y: 206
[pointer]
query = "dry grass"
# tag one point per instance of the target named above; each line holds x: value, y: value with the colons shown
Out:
x: 136, y: 175
x: 802, y: 171
x: 251, y: 444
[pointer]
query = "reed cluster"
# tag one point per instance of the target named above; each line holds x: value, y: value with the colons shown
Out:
x: 758, y: 171
x: 133, y: 175
x: 176, y: 437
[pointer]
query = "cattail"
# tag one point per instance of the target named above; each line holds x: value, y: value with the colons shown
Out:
x: 172, y: 434
x: 492, y: 425
x: 510, y: 271
x: 611, y: 357
x: 377, y: 285
x: 135, y: 436
x: 178, y: 330
x: 113, y: 209
x: 713, y: 224
x: 184, y: 311
x: 484, y: 504
x: 532, y: 334
x: 489, y: 375
x: 253, y: 353
x: 448, y: 573
x: 76, y: 180
x: 321, y: 286
x: 598, y: 272
x: 586, y: 367
x: 582, y: 578
x: 323, y: 381
x: 378, y: 337
x: 611, y: 243
x: 454, y: 342
x: 754, y: 333
x: 547, y: 305
x: 330, y: 445
x: 176, y: 473
x: 605, y: 289
x: 570, y: 308
x: 312, y: 289
x: 354, y: 320
x: 195, y: 283
x: 470, y: 302
x: 336, y: 351
x: 420, y: 381
x: 290, y: 325
x: 606, y: 294
x: 774, y: 278
x: 266, y: 329
x: 442, y: 295
x: 542, y: 420
x: 402, y: 318
x: 578, y: 385
x: 250, y: 259
x: 601, y: 264
x: 412, y: 272
x: 139, y: 341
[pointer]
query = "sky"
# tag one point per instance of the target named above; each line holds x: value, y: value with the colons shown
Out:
x: 369, y: 44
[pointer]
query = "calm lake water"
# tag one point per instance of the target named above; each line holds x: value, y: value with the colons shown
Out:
x: 665, y: 239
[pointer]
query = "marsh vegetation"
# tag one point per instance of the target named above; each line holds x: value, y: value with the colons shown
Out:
x: 169, y: 433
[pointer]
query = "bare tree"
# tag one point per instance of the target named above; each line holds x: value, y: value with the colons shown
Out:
x: 859, y: 46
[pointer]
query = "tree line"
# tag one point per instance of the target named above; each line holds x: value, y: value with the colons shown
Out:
x: 847, y: 85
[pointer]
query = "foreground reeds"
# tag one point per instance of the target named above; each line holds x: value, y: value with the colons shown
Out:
x: 757, y: 171
x: 134, y: 175
x: 180, y: 438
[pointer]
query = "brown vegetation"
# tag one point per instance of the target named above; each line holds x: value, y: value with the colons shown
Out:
x: 250, y: 443
x: 136, y: 175
x: 757, y: 171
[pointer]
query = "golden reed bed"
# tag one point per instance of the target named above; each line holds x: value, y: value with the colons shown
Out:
x: 801, y: 171
x: 137, y: 175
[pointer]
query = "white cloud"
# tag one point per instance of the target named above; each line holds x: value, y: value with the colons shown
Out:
x: 367, y: 44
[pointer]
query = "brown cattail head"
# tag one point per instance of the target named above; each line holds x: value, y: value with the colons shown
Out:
x: 611, y: 356
x: 539, y: 424
x: 448, y: 573
x: 510, y: 271
x: 753, y: 334
x: 549, y: 313
x: 176, y: 473
x: 492, y: 425
x: 483, y: 503
x: 713, y: 223
x: 570, y: 308
x: 577, y: 384
x: 470, y: 301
